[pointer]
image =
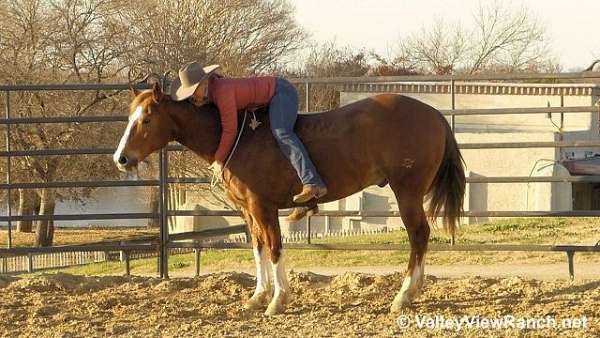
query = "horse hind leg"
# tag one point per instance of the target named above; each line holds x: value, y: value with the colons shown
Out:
x: 415, y: 221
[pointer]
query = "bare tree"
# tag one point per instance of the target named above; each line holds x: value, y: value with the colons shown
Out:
x: 329, y: 60
x: 439, y: 50
x: 64, y: 41
x: 29, y: 204
x: 503, y: 39
x: 243, y: 36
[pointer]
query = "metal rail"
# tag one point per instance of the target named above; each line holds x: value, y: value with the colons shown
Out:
x: 78, y: 248
x: 399, y: 247
x: 448, y: 78
x: 81, y: 184
x: 79, y: 217
x: 490, y: 145
x: 570, y: 250
x: 520, y: 111
x: 203, y: 180
x: 358, y: 213
x: 330, y: 213
x: 457, y: 112
x: 71, y: 87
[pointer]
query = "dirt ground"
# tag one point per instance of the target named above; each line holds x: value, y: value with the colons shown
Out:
x: 348, y: 305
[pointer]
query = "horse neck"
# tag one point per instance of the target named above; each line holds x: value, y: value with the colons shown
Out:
x: 198, y: 129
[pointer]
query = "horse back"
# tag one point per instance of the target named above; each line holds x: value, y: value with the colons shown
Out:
x: 354, y: 146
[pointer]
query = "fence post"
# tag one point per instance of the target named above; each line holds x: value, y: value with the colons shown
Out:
x: 8, y: 162
x: 29, y: 262
x: 125, y: 254
x: 197, y: 262
x: 307, y: 95
x: 121, y: 253
x: 561, y: 136
x: 247, y: 233
x: 453, y: 104
x: 308, y: 225
x: 453, y: 125
x: 570, y: 255
x: 164, y: 219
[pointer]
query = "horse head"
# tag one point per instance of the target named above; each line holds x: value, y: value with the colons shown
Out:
x: 150, y: 128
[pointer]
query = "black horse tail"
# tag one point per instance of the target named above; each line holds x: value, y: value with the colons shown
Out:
x: 447, y: 192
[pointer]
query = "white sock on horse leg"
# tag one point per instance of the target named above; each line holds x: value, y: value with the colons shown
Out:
x: 410, y: 283
x: 279, y: 276
x: 262, y: 275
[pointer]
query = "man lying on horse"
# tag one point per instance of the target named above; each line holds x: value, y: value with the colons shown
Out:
x: 200, y: 86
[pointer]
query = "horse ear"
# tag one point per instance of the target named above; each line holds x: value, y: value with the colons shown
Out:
x: 133, y: 92
x: 157, y: 93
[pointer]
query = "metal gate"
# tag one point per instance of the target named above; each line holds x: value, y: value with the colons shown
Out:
x: 165, y: 242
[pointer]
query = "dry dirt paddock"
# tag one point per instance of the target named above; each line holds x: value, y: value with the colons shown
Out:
x: 347, y: 305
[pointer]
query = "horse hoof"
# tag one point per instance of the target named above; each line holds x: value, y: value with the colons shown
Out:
x: 277, y: 305
x: 257, y: 301
x: 401, y: 301
x: 253, y: 304
x: 274, y: 308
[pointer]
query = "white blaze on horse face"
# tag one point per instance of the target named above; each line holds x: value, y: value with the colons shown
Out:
x: 123, y: 143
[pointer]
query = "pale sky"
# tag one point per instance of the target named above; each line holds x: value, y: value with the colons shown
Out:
x: 572, y: 26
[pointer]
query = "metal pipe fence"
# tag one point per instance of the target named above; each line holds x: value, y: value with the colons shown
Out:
x: 165, y: 242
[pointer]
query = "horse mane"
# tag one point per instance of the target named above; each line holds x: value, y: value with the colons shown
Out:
x: 209, y: 109
x: 140, y: 99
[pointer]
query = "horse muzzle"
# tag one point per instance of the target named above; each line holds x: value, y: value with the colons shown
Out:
x: 127, y: 166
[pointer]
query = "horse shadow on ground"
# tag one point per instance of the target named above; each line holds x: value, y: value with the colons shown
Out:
x: 570, y: 290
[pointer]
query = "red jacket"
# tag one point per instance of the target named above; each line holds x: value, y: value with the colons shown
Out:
x: 233, y: 95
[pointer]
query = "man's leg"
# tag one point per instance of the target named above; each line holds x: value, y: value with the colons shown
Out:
x: 283, y: 111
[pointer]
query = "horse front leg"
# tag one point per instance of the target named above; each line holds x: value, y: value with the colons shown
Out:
x: 263, y: 290
x: 281, y: 295
x: 266, y: 219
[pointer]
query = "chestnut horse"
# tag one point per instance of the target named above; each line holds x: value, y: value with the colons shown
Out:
x: 385, y: 139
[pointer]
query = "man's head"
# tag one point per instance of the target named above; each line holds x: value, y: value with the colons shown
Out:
x: 192, y: 83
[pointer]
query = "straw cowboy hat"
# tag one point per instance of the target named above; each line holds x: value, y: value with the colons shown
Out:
x: 189, y: 78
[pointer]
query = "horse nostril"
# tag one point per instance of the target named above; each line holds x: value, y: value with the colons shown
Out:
x: 123, y: 160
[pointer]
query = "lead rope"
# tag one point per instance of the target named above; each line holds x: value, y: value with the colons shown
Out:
x: 214, y: 179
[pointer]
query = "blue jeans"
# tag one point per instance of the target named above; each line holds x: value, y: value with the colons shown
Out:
x: 283, y: 111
